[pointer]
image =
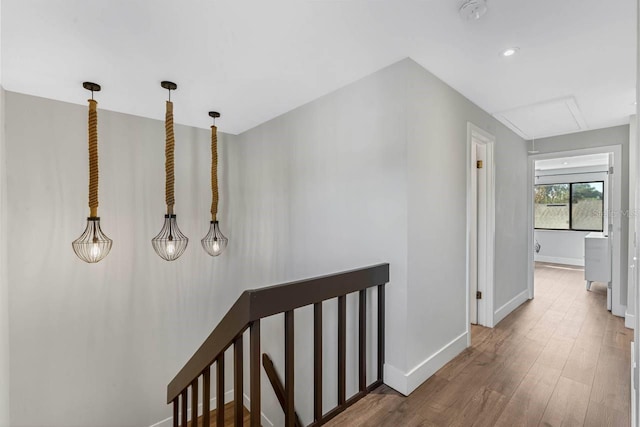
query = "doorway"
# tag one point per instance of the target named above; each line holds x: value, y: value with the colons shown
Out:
x: 480, y: 226
x: 596, y: 170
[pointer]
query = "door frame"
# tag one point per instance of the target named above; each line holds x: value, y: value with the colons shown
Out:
x: 477, y: 135
x: 616, y: 206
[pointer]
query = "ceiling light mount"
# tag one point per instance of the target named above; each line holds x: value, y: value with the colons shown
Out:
x: 472, y: 10
x: 93, y: 87
x: 168, y: 85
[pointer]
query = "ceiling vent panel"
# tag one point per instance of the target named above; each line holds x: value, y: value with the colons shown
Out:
x: 549, y: 118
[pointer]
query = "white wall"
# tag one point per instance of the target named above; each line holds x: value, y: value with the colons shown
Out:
x: 618, y: 135
x: 633, y: 208
x: 437, y: 140
x: 322, y: 189
x: 635, y: 347
x: 4, y: 284
x: 96, y: 345
x: 374, y: 172
x: 561, y: 247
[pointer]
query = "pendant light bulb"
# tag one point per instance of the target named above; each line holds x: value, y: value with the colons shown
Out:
x: 93, y: 245
x: 214, y: 243
x: 96, y: 251
x: 171, y: 248
x: 170, y: 243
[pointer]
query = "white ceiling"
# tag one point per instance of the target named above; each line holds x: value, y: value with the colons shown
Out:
x: 254, y: 60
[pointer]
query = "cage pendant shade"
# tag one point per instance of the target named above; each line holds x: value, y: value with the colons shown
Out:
x: 93, y: 245
x: 170, y: 243
x: 214, y: 243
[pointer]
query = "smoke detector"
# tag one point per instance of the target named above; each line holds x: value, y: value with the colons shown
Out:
x: 473, y: 9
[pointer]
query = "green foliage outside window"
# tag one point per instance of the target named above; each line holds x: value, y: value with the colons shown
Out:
x: 577, y: 206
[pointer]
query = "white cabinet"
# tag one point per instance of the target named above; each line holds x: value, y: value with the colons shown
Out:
x: 597, y: 261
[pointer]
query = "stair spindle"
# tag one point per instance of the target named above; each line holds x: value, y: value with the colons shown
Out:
x: 380, y: 332
x: 362, y: 340
x: 206, y: 396
x: 290, y: 414
x: 220, y: 390
x: 194, y: 403
x: 342, y: 348
x: 184, y: 407
x: 238, y: 406
x: 254, y: 372
x: 317, y: 361
x: 176, y: 410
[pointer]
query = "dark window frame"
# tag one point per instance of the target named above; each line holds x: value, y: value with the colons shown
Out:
x: 571, y: 184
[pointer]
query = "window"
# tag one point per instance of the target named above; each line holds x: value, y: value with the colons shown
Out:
x: 578, y: 206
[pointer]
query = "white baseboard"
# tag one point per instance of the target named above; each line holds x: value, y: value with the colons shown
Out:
x: 395, y: 378
x: 506, y: 309
x: 407, y: 383
x: 634, y: 403
x: 265, y: 421
x: 629, y: 320
x: 558, y: 260
x: 228, y: 397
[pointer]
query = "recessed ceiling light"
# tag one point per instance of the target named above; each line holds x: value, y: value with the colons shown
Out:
x: 511, y: 51
x: 565, y: 163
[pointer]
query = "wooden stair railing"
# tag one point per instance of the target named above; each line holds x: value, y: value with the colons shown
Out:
x: 246, y: 313
x: 276, y: 383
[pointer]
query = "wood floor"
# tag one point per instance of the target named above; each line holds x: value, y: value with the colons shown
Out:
x: 559, y: 359
x: 228, y: 417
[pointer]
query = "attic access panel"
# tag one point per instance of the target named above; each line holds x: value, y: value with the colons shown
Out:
x: 549, y: 118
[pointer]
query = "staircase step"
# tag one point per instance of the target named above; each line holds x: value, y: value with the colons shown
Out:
x: 228, y: 417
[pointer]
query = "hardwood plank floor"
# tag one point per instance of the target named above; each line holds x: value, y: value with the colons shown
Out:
x: 228, y: 417
x: 559, y: 359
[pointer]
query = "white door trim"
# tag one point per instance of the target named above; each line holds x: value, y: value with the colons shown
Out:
x: 616, y: 207
x: 485, y: 307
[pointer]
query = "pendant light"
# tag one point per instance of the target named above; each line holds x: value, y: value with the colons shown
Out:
x: 214, y: 242
x: 170, y: 243
x: 93, y: 245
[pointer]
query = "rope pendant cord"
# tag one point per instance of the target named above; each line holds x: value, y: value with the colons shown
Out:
x: 93, y: 158
x: 169, y: 159
x: 214, y: 173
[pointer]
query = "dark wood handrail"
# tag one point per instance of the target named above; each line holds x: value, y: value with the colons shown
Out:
x: 256, y: 304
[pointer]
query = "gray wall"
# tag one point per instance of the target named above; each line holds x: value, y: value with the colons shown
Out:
x: 322, y: 189
x: 633, y: 207
x: 4, y: 285
x: 437, y: 122
x: 347, y: 180
x: 618, y: 135
x: 96, y: 345
x: 376, y: 171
